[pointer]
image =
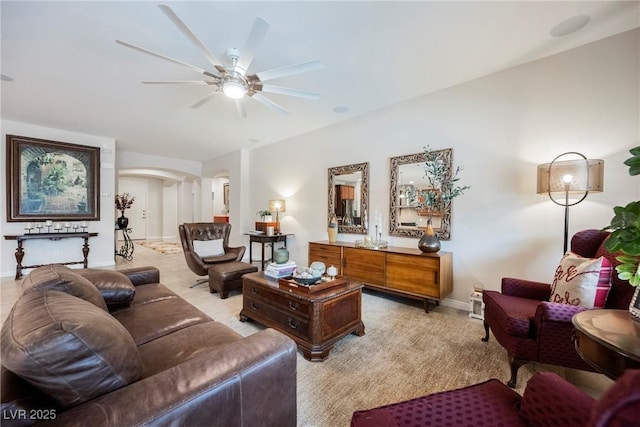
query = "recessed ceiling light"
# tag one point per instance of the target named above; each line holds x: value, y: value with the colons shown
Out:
x: 570, y: 25
x: 254, y: 140
x: 340, y: 109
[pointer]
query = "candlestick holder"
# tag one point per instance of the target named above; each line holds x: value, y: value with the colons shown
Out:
x: 39, y: 227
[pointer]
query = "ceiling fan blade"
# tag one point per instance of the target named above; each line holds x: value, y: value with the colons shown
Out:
x: 291, y: 92
x: 240, y: 108
x: 204, y: 100
x: 247, y: 53
x: 170, y: 82
x: 288, y: 70
x: 268, y: 103
x: 167, y: 58
x: 192, y: 37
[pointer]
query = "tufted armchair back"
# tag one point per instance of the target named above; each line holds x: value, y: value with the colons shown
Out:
x: 207, y: 231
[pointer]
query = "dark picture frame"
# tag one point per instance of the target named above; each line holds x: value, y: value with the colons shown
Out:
x: 52, y: 180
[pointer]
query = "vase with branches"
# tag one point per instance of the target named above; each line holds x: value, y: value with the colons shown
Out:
x: 443, y: 187
x: 123, y: 202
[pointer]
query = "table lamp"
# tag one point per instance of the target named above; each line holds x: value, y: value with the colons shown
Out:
x: 277, y: 206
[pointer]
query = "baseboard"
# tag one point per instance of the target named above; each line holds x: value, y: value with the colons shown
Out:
x: 460, y: 305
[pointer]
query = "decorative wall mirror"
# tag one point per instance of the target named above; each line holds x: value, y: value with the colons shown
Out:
x: 408, y: 181
x: 349, y: 197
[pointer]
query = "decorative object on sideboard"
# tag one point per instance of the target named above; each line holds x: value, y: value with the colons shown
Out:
x: 280, y: 255
x: 576, y: 177
x: 277, y: 206
x: 332, y: 272
x: 348, y: 197
x: 332, y: 228
x: 429, y: 243
x: 123, y: 202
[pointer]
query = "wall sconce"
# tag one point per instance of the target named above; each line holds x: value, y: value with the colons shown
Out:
x: 277, y: 206
x: 577, y: 177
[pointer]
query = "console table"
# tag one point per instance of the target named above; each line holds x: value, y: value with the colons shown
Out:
x: 402, y: 271
x: 51, y: 236
x: 609, y: 340
x: 264, y: 239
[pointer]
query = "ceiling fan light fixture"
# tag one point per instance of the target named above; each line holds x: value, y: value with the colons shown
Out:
x: 234, y: 87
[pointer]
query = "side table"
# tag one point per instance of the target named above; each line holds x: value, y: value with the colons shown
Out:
x: 263, y: 239
x: 609, y: 340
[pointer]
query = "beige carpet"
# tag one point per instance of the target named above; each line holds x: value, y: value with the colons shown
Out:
x: 167, y: 248
x: 404, y: 353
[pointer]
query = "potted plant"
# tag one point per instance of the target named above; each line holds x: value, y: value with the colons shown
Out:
x: 265, y: 215
x: 443, y: 188
x: 625, y: 231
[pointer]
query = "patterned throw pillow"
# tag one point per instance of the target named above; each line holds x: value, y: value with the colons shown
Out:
x: 582, y: 281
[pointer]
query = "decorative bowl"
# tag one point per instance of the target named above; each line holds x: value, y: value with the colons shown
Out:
x: 306, y: 276
x: 318, y: 267
x: 306, y: 280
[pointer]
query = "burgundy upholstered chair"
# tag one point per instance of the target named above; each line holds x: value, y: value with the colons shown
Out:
x: 531, y: 328
x: 548, y: 400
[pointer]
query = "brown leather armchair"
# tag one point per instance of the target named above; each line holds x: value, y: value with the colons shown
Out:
x: 533, y: 329
x: 207, y: 231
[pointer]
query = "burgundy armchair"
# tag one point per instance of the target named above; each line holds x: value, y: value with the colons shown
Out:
x: 531, y: 328
x: 548, y: 400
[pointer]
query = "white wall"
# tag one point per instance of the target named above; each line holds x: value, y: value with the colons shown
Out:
x: 500, y: 128
x: 45, y: 251
x: 170, y: 211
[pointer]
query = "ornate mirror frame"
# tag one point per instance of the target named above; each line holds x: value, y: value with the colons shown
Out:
x: 334, y: 173
x: 443, y: 232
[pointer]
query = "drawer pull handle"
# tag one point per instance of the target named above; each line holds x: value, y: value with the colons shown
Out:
x: 254, y: 290
x: 254, y: 306
x: 293, y: 305
x: 293, y: 324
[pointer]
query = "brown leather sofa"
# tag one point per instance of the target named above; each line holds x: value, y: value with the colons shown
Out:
x: 109, y: 348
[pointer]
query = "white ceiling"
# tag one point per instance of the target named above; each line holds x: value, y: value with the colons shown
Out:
x: 69, y: 73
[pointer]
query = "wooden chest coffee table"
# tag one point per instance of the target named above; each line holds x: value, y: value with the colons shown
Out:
x: 315, y: 321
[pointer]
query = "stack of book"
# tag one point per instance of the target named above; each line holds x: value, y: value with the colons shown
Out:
x: 278, y: 271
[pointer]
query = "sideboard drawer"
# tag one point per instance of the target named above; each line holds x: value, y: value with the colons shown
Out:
x: 276, y: 299
x: 328, y: 254
x: 286, y: 322
x: 414, y: 274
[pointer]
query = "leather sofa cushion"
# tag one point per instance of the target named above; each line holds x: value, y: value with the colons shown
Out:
x: 115, y: 287
x: 68, y: 348
x: 173, y: 349
x: 63, y: 279
x: 158, y: 317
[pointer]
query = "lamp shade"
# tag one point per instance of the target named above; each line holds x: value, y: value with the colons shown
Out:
x: 576, y: 176
x: 277, y: 205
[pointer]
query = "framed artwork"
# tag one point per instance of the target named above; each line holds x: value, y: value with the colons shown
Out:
x: 50, y: 180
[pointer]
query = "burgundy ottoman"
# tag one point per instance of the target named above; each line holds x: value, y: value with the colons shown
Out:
x: 227, y: 276
x: 490, y: 403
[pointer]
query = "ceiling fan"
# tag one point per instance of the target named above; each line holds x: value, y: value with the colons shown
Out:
x: 232, y: 79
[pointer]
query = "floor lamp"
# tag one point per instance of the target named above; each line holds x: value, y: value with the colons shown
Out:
x: 576, y: 177
x: 277, y: 206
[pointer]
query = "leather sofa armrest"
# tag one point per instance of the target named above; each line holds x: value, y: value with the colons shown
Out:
x: 547, y: 395
x: 251, y: 379
x: 239, y: 251
x: 526, y: 289
x: 142, y: 275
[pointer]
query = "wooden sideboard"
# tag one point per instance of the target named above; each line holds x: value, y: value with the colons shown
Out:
x: 403, y: 271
